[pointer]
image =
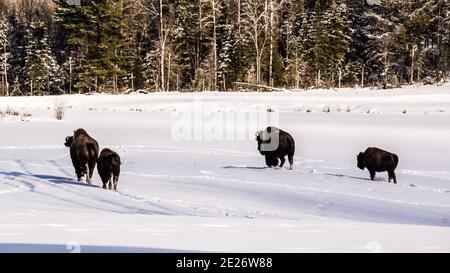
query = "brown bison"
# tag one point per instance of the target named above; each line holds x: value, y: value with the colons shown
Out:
x: 108, y: 166
x: 83, y: 152
x: 377, y: 160
x: 274, y: 144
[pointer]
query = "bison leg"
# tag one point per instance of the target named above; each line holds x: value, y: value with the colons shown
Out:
x: 110, y: 183
x: 291, y: 160
x: 116, y: 180
x: 79, y: 175
x: 392, y: 176
x: 282, y: 160
x: 88, y: 171
x: 271, y: 161
x: 372, y: 175
x: 80, y: 172
x: 91, y: 170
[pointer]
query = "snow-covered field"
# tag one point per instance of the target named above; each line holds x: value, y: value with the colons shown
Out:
x: 213, y: 193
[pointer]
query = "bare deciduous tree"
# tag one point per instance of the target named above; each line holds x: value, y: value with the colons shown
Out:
x: 255, y: 21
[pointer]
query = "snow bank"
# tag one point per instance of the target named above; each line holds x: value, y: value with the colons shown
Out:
x: 217, y: 195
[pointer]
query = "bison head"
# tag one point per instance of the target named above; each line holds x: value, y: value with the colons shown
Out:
x: 361, y: 163
x: 268, y: 140
x: 80, y: 132
x: 69, y: 141
x: 261, y: 138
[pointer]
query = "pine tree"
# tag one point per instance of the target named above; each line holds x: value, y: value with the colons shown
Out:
x: 5, y: 54
x: 337, y: 40
x: 234, y: 56
x: 319, y: 51
x: 18, y: 55
x: 97, y: 38
x: 225, y: 55
x: 112, y: 46
x: 363, y: 43
x: 441, y: 21
x: 292, y: 15
x: 41, y: 66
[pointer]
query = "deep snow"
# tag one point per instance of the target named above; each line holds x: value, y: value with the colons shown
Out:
x: 217, y: 195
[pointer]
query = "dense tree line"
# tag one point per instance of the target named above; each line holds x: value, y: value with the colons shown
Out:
x: 53, y: 47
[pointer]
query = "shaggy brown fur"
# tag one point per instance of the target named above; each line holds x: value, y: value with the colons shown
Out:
x: 83, y: 152
x: 275, y: 144
x: 377, y: 160
x: 108, y: 166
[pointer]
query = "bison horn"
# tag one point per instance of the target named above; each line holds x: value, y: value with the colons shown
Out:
x: 67, y: 138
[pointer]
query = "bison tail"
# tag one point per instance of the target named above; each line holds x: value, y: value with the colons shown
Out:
x: 113, y: 158
x: 116, y: 160
x: 92, y: 150
x: 395, y: 157
x: 293, y: 147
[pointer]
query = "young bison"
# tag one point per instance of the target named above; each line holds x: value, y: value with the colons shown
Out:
x: 108, y: 166
x: 377, y: 160
x: 275, y: 144
x: 83, y: 152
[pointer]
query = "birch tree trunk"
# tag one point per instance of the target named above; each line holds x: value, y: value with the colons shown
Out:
x: 270, y: 7
x: 162, y: 43
x: 199, y: 37
x: 256, y: 26
x: 214, y: 42
x: 239, y: 15
x: 362, y: 76
x: 258, y: 69
x: 340, y: 77
x: 168, y: 73
x: 413, y: 49
x: 297, y: 72
x: 5, y: 70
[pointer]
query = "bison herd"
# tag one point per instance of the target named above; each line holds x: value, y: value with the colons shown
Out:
x: 84, y: 154
x: 273, y: 143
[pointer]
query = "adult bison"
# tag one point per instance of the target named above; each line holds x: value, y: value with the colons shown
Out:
x: 108, y: 166
x: 274, y: 144
x: 377, y: 160
x: 83, y: 152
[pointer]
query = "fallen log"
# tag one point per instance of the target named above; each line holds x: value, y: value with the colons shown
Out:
x: 257, y: 87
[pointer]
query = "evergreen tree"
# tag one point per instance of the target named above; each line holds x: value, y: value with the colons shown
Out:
x: 41, y: 67
x: 338, y: 40
x: 5, y: 55
x: 319, y: 51
x: 441, y: 23
x: 17, y: 64
x: 115, y: 46
x: 97, y: 38
x: 363, y: 42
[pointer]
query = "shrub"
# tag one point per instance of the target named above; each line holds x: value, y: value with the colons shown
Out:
x: 60, y: 109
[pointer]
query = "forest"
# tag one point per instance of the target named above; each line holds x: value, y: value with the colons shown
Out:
x: 70, y: 46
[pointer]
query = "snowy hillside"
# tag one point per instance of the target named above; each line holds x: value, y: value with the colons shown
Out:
x: 179, y: 194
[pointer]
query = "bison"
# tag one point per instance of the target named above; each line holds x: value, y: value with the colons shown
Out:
x: 275, y: 144
x: 377, y: 160
x: 83, y: 152
x: 108, y: 166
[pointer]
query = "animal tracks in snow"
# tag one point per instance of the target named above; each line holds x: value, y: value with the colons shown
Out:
x: 172, y: 180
